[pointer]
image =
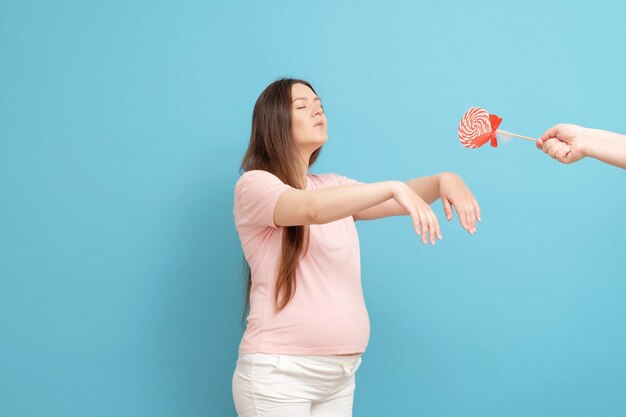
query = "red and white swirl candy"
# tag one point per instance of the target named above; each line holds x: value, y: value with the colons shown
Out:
x: 474, y: 124
x: 478, y: 127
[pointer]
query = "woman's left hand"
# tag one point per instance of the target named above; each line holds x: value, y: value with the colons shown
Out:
x: 454, y: 192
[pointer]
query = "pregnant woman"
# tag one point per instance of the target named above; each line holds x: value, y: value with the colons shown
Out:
x: 307, y: 324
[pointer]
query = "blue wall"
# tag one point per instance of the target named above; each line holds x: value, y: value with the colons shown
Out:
x: 122, y: 125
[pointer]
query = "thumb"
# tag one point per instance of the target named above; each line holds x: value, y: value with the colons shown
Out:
x: 550, y: 133
x: 539, y: 143
x: 447, y: 208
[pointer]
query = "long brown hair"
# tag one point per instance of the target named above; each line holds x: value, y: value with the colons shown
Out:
x: 272, y: 149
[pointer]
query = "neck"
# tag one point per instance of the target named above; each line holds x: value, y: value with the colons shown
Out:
x: 304, y: 165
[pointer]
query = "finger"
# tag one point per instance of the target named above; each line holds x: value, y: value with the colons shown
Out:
x: 471, y: 217
x: 551, y: 146
x: 569, y: 158
x: 539, y: 143
x: 431, y: 227
x: 436, y: 223
x: 557, y: 148
x: 416, y: 222
x: 550, y: 133
x: 562, y: 153
x: 477, y: 207
x: 462, y: 216
x: 424, y: 223
x: 467, y: 222
x: 468, y: 219
x: 468, y: 216
x: 546, y: 146
x: 447, y: 208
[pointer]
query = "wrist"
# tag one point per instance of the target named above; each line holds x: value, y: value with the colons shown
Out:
x: 396, y: 187
x: 589, y: 141
x: 443, y: 177
x: 600, y: 144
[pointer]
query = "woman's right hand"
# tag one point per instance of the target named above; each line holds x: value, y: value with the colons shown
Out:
x: 424, y: 220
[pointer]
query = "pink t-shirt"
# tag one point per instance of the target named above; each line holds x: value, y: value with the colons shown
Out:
x: 327, y: 315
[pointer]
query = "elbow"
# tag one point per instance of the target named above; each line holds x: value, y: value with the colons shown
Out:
x: 314, y: 214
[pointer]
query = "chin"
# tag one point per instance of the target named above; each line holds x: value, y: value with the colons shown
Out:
x: 314, y: 143
x: 318, y: 142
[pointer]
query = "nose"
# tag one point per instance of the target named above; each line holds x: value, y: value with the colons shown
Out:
x: 318, y: 110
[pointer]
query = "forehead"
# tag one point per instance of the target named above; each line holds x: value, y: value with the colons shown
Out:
x: 301, y: 90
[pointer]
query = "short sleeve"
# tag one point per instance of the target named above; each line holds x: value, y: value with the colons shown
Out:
x: 256, y: 194
x: 348, y: 181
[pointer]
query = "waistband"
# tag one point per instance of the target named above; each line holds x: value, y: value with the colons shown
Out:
x: 330, y: 359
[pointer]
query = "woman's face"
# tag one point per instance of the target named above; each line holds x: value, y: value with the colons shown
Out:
x: 308, y: 121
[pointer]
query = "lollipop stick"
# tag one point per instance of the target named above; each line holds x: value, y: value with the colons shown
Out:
x: 513, y: 134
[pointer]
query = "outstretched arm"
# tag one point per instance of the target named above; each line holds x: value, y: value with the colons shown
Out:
x: 569, y: 143
x: 447, y: 186
x: 301, y: 207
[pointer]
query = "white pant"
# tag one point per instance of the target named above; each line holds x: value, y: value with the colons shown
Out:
x: 294, y: 385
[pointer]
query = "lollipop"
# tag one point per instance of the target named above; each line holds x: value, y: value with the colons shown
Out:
x: 477, y: 127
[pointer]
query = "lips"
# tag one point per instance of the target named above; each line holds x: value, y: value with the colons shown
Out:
x: 319, y: 124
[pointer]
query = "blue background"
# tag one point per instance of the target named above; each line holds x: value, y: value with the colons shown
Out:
x: 122, y: 126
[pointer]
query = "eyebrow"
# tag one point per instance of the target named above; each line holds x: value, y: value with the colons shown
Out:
x: 304, y: 98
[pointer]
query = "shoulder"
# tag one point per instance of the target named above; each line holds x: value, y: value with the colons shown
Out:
x: 258, y: 174
x: 332, y: 179
x: 256, y: 194
x: 257, y: 177
x: 327, y: 179
x: 256, y: 185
